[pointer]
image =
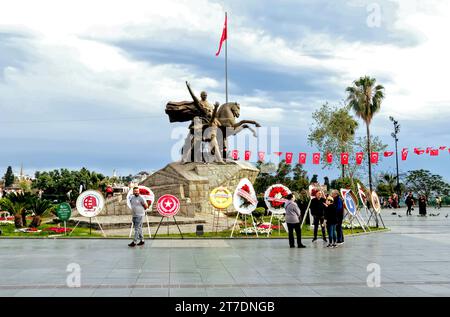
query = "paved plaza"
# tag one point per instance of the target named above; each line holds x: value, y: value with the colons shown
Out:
x: 413, y: 257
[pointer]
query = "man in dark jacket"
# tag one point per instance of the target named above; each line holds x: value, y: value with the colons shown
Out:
x: 293, y: 221
x: 409, y: 201
x: 340, y: 216
x: 317, y: 211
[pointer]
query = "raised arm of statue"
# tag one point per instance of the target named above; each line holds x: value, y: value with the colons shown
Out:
x: 192, y: 94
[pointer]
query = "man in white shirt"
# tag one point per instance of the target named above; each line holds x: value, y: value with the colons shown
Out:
x: 138, y: 207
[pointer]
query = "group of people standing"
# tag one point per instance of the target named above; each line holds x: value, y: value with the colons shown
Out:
x: 328, y: 214
x: 411, y: 202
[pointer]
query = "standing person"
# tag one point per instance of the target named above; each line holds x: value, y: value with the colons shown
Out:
x: 438, y: 203
x: 340, y: 216
x: 317, y: 211
x: 409, y: 201
x: 395, y: 201
x: 138, y: 207
x: 331, y: 220
x: 423, y: 205
x: 293, y: 221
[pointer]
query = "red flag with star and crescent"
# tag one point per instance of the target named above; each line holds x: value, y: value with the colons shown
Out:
x: 404, y: 154
x: 261, y: 156
x: 329, y: 158
x: 316, y: 158
x: 374, y: 157
x: 289, y: 156
x: 359, y: 158
x: 302, y: 158
x: 388, y: 153
x: 224, y: 36
x: 434, y: 152
x: 344, y: 158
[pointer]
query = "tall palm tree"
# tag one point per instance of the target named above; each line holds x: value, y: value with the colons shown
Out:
x: 365, y: 97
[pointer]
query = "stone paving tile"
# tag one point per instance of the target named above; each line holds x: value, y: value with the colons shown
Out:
x: 225, y: 292
x: 149, y: 292
x: 8, y: 292
x: 187, y: 292
x: 415, y: 252
x: 333, y: 291
x: 112, y: 292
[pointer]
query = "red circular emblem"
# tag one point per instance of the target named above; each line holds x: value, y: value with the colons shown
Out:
x: 168, y: 205
x: 90, y: 202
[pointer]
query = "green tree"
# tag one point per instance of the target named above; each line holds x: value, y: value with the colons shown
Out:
x: 283, y: 171
x: 386, y: 184
x: 365, y: 98
x: 39, y: 208
x: 14, y: 208
x: 423, y: 182
x: 333, y: 131
x: 9, y: 177
x: 57, y: 183
x: 360, y: 145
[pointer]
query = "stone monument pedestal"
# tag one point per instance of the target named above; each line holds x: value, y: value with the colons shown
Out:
x: 193, y: 182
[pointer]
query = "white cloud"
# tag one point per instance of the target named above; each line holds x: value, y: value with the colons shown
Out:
x: 71, y: 55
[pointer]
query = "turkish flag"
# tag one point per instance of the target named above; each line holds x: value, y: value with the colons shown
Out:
x: 442, y: 148
x: 289, y: 156
x: 374, y: 157
x: 388, y: 154
x: 418, y: 151
x: 434, y: 152
x: 329, y: 158
x: 428, y: 150
x: 404, y: 154
x: 344, y: 158
x: 359, y: 158
x: 278, y: 153
x: 261, y: 156
x: 224, y: 36
x: 316, y: 158
x: 235, y: 154
x: 247, y: 155
x: 302, y: 158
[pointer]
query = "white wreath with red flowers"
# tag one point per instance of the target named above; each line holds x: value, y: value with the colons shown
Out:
x: 275, y: 198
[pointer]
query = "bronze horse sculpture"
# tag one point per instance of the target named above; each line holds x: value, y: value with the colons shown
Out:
x: 207, y: 122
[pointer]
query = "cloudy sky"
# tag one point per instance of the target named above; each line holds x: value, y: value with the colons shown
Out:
x: 85, y: 83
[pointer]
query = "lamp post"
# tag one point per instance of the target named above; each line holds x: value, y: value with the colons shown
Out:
x: 395, y: 136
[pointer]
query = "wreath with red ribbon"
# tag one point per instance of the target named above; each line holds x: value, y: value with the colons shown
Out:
x: 277, y: 197
x: 246, y: 202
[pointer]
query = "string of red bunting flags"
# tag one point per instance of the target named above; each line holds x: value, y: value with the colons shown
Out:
x: 359, y: 157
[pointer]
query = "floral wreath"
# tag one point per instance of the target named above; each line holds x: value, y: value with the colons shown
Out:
x: 275, y: 197
x: 244, y: 198
x: 248, y: 199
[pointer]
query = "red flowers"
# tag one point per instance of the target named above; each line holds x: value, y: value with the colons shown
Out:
x: 246, y: 188
x: 276, y: 196
x: 58, y: 229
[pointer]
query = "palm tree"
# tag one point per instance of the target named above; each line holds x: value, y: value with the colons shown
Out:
x: 364, y: 97
x: 14, y: 208
x: 389, y: 180
x: 39, y: 207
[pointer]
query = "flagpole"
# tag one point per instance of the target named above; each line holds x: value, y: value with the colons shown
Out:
x: 226, y: 62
